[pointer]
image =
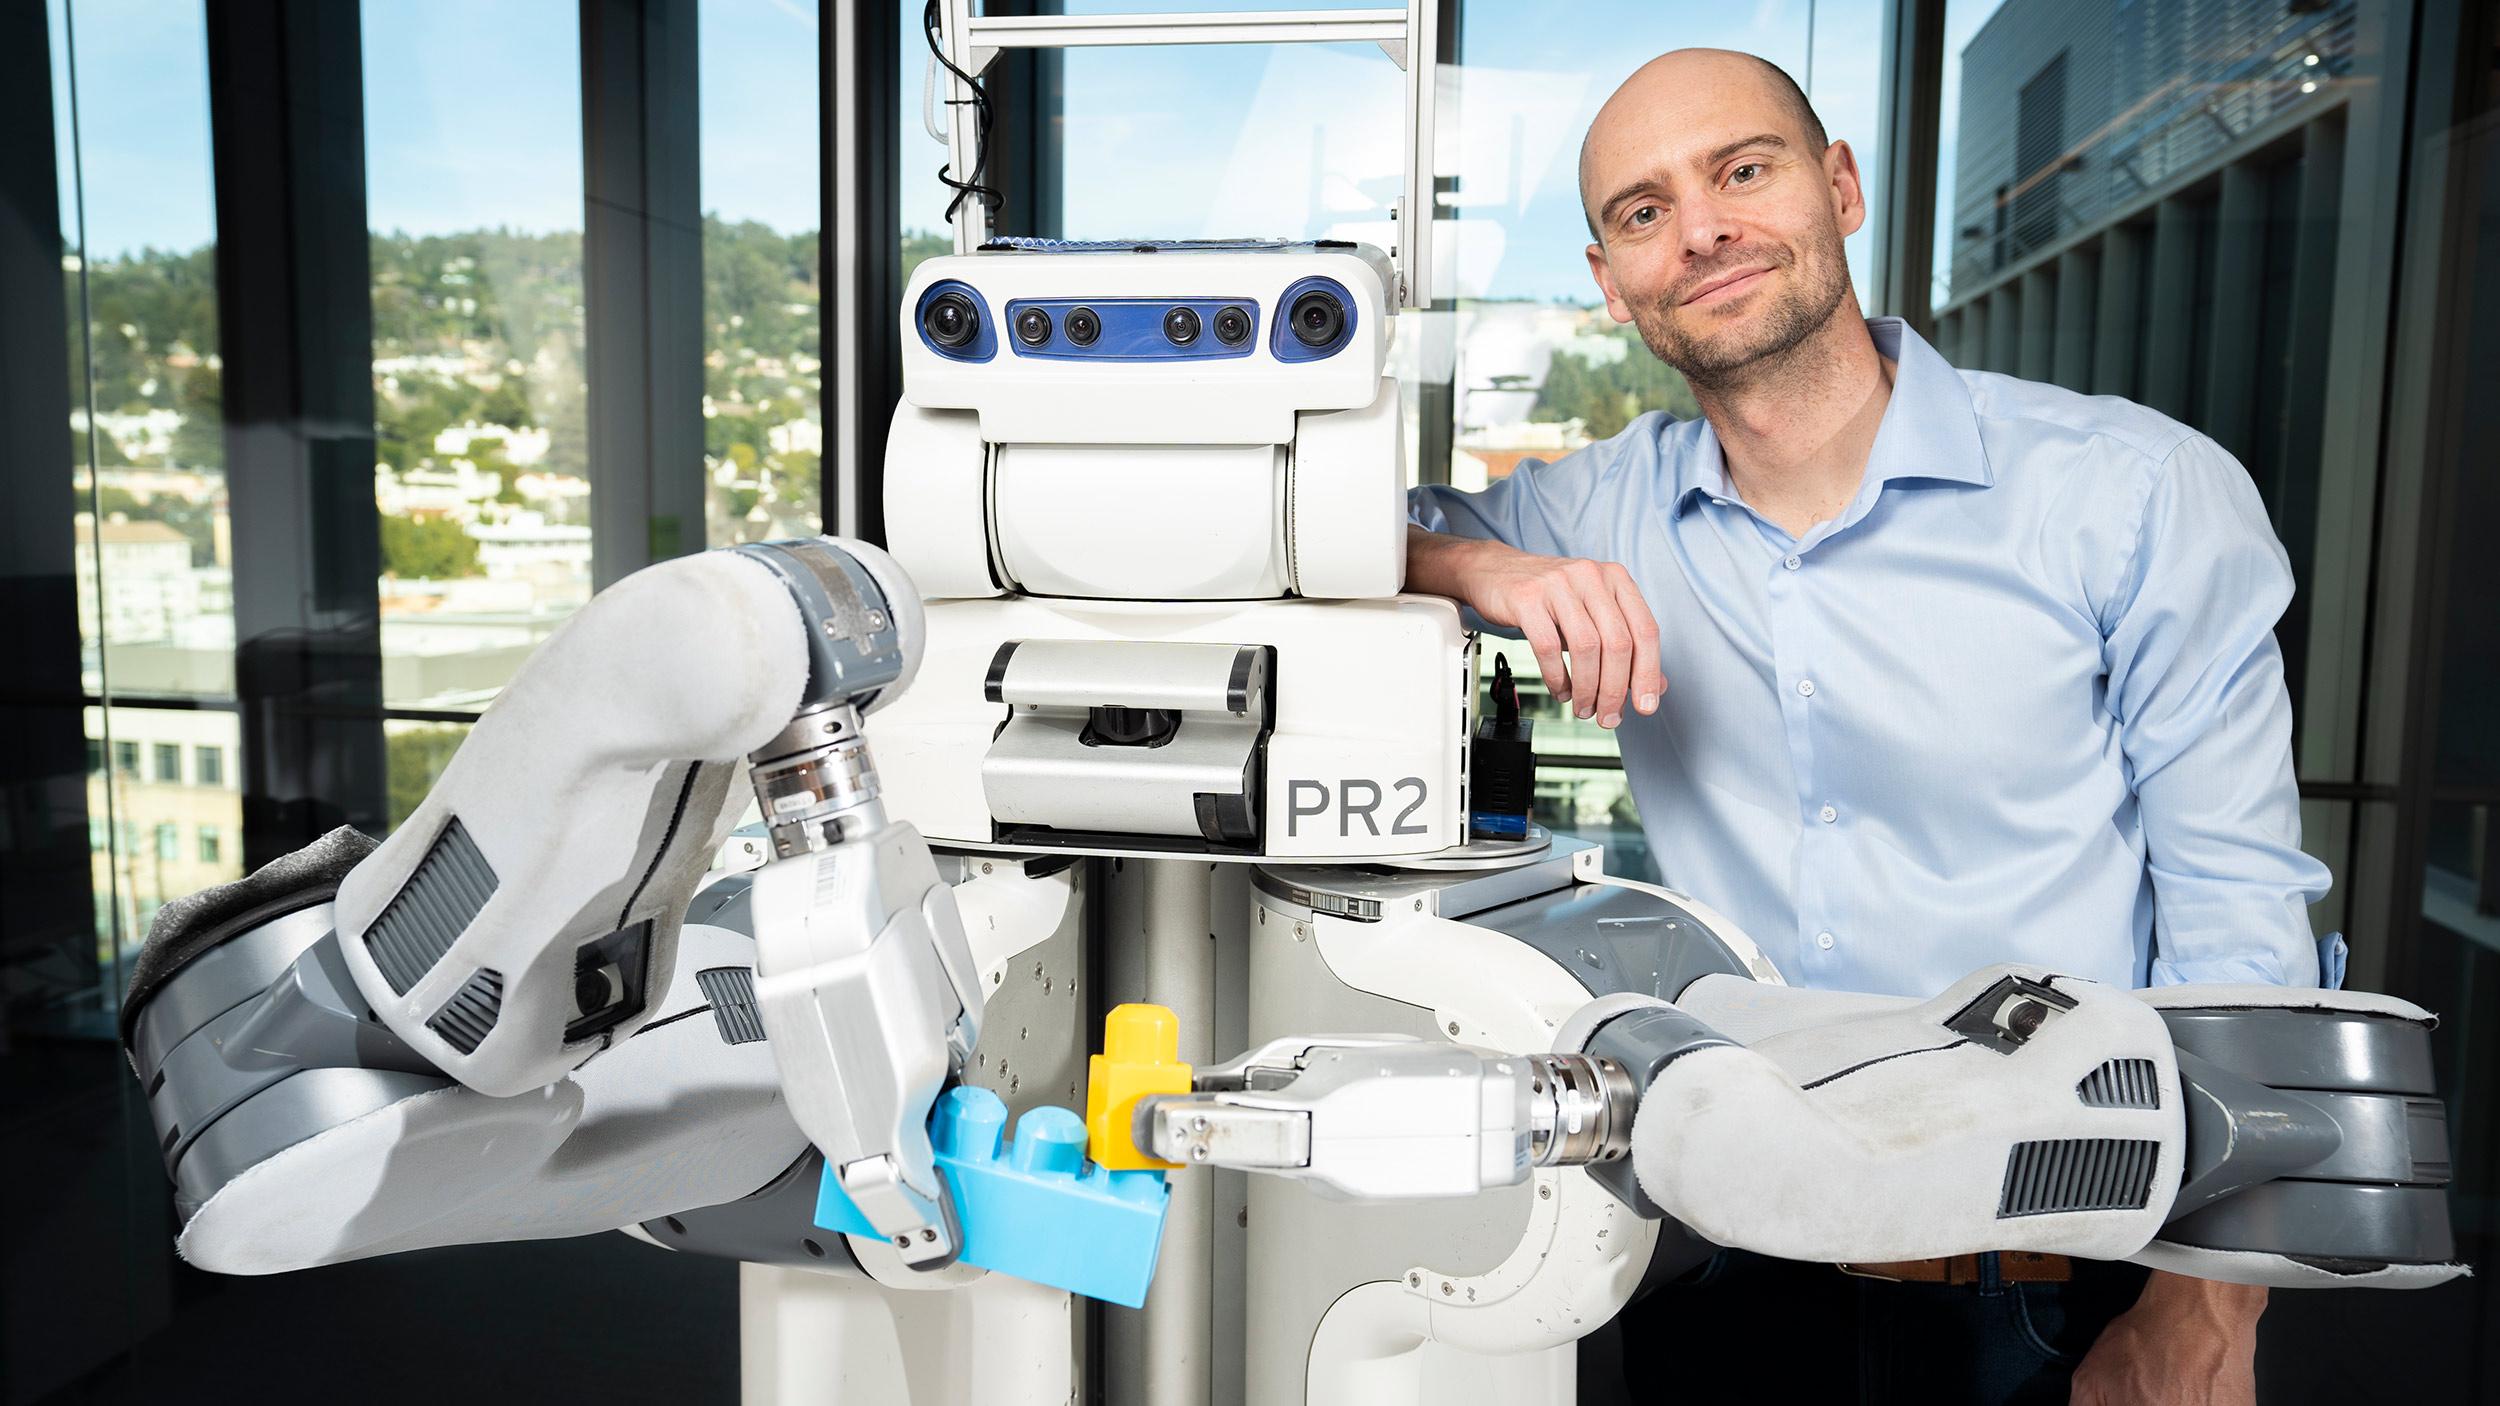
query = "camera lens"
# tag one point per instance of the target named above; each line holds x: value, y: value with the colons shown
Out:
x: 1083, y: 326
x: 951, y: 320
x: 1033, y: 327
x: 1232, y: 326
x: 1180, y: 326
x: 597, y: 988
x: 1318, y: 318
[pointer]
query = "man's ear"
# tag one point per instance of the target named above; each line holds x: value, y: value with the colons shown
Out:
x: 1840, y: 170
x: 1616, y: 308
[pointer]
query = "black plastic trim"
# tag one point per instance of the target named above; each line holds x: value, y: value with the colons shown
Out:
x: 994, y: 686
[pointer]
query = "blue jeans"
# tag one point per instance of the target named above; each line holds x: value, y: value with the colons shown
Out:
x: 1746, y: 1327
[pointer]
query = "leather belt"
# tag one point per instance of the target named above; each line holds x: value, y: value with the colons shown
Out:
x: 2013, y: 1267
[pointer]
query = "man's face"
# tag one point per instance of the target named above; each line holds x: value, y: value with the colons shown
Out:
x: 1720, y: 228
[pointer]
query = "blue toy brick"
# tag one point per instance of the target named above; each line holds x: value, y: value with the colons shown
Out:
x: 1034, y: 1207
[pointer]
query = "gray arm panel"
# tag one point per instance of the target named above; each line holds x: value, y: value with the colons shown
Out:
x: 776, y: 1225
x: 2310, y: 1134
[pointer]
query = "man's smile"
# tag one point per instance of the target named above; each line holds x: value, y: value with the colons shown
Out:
x: 1725, y: 287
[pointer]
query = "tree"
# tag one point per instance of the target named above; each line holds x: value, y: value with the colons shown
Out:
x: 427, y: 549
x: 1605, y: 395
x: 507, y: 405
x: 725, y: 429
x: 414, y: 757
x: 200, y: 440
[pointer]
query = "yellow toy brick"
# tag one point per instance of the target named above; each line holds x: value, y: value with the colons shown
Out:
x: 1140, y: 1055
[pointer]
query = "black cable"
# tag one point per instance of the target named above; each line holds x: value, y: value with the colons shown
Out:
x: 980, y: 103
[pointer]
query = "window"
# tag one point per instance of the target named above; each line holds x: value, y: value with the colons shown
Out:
x: 95, y: 757
x: 153, y: 572
x: 418, y: 753
x: 123, y: 813
x: 763, y: 368
x: 473, y: 170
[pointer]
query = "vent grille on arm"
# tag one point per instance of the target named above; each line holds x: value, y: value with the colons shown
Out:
x: 430, y: 911
x: 470, y: 1014
x: 731, y: 990
x: 2121, y: 1083
x: 2078, y: 1174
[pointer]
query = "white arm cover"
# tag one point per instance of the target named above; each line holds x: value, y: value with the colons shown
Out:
x: 1888, y: 1135
x: 590, y: 796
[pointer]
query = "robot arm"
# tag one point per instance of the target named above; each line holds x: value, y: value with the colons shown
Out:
x: 507, y: 945
x: 2246, y: 1134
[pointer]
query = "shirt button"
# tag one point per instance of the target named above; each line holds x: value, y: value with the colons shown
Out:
x: 1805, y: 688
x: 1718, y: 502
x: 1829, y: 814
x: 1793, y: 563
x: 1823, y: 940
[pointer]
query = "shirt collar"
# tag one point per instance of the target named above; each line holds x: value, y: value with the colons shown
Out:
x: 1929, y: 429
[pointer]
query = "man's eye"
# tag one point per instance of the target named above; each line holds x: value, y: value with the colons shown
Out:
x: 1745, y: 174
x: 1645, y: 215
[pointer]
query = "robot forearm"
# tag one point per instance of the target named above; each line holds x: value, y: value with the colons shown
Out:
x: 528, y: 916
x: 2018, y: 1111
x: 515, y: 925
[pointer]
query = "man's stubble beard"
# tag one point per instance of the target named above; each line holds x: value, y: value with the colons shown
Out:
x: 1738, y: 356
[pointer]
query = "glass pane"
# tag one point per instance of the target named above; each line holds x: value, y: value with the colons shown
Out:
x: 2096, y: 162
x: 153, y: 573
x: 417, y: 752
x: 165, y: 817
x: 922, y: 148
x: 154, y: 577
x: 763, y: 378
x: 2457, y: 970
x: 473, y: 168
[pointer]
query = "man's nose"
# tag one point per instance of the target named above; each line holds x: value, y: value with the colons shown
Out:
x: 1706, y: 228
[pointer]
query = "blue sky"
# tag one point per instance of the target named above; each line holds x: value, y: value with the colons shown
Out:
x: 473, y: 115
x: 474, y: 118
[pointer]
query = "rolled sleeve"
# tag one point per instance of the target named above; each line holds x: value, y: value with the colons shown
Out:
x: 1510, y: 510
x: 2196, y: 683
x: 1572, y: 507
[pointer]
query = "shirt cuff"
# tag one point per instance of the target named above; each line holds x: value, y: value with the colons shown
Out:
x: 2265, y: 968
x: 2261, y: 968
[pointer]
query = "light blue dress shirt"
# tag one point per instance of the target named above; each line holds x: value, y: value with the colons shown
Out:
x: 2021, y: 701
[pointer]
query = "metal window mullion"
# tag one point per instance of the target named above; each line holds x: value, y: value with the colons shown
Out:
x: 1912, y: 108
x: 642, y: 283
x: 294, y: 292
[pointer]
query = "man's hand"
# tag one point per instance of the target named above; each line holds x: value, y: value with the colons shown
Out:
x: 2187, y: 1342
x: 1588, y: 611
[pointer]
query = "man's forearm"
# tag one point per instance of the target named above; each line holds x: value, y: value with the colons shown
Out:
x: 2205, y: 1300
x: 1434, y: 561
x: 2188, y: 1342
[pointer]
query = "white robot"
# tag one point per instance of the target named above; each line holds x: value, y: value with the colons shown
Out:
x: 1155, y: 724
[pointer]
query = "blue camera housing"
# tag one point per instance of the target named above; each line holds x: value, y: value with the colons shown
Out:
x: 984, y: 343
x: 1288, y: 347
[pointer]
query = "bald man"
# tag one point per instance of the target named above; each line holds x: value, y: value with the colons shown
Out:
x: 1965, y: 670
